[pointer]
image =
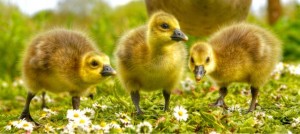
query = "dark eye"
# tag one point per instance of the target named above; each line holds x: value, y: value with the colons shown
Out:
x: 94, y: 63
x: 207, y: 60
x: 164, y: 26
x: 192, y: 60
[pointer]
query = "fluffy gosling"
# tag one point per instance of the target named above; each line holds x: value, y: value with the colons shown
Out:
x: 62, y: 60
x: 152, y: 57
x: 237, y: 53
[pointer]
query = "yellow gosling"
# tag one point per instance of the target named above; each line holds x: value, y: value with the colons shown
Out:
x: 152, y: 57
x: 62, y: 60
x: 238, y: 53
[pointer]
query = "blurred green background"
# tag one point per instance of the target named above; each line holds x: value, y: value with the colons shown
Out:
x: 106, y: 24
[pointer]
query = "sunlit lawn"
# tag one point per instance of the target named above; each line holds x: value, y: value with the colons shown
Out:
x: 278, y: 110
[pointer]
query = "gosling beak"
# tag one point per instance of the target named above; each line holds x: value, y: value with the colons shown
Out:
x: 199, y: 72
x: 107, y: 71
x: 179, y: 36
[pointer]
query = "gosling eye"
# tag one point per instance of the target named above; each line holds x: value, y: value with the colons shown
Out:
x: 207, y: 60
x: 94, y: 64
x: 164, y: 26
x: 192, y: 60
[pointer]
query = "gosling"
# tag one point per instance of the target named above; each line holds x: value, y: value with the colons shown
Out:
x: 62, y: 60
x: 152, y: 57
x: 237, y: 53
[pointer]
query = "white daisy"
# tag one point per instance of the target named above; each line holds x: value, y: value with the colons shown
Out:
x: 187, y: 84
x: 26, y: 125
x: 282, y: 87
x: 130, y: 126
x: 213, y: 132
x: 88, y: 112
x: 15, y: 123
x: 114, y: 127
x: 296, y: 122
x: 96, y: 127
x: 47, y: 113
x: 104, y: 127
x: 114, y: 124
x: 289, y: 132
x: 144, y: 127
x: 18, y: 82
x: 50, y: 111
x: 270, y: 117
x: 180, y: 113
x: 260, y: 115
x: 295, y: 70
x: 74, y: 114
x: 278, y: 68
x: 44, y: 116
x: 124, y: 118
x: 36, y: 99
x: 48, y: 129
x: 125, y: 121
x: 7, y: 127
x: 258, y: 122
x: 84, y: 98
x: 102, y: 107
x: 83, y: 121
x: 235, y: 108
x: 70, y: 127
x: 19, y: 123
x: 95, y: 105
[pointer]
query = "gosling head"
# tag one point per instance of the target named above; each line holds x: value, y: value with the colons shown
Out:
x: 94, y: 67
x: 201, y: 60
x: 163, y: 28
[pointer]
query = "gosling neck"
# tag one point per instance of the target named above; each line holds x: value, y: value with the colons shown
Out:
x: 157, y: 47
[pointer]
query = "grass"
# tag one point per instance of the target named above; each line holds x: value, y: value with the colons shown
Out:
x: 278, y: 107
x: 279, y: 104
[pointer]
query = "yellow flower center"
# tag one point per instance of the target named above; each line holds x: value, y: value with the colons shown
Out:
x: 82, y: 121
x: 44, y: 115
x: 102, y: 124
x: 180, y: 113
x: 76, y: 115
x: 25, y: 125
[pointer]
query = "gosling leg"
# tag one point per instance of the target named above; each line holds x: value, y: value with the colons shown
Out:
x: 91, y: 96
x: 135, y: 97
x: 167, y: 99
x: 43, y: 100
x: 220, y: 102
x: 254, y: 93
x: 76, y: 102
x: 26, y: 112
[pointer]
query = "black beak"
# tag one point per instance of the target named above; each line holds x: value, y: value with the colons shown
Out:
x: 199, y: 72
x: 179, y: 36
x: 107, y: 71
